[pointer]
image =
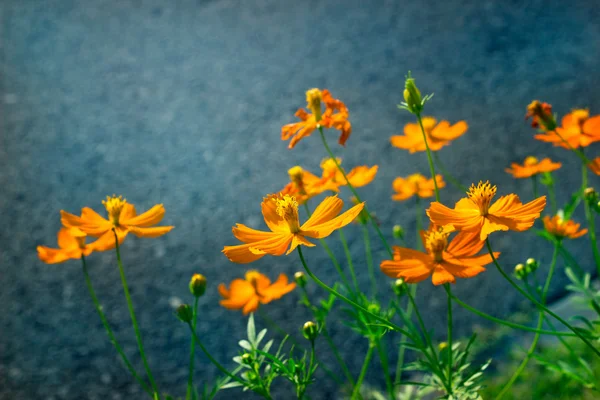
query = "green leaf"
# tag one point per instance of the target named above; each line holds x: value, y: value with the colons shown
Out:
x: 251, y: 329
x: 571, y: 206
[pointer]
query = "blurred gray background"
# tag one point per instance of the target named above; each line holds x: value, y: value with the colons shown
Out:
x: 182, y: 103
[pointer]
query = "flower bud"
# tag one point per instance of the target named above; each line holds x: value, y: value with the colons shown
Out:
x: 520, y: 271
x: 442, y: 346
x: 310, y: 330
x: 247, y: 358
x: 398, y: 232
x: 198, y: 285
x: 300, y: 279
x: 590, y: 195
x: 374, y: 308
x: 313, y: 102
x: 400, y: 287
x: 531, y: 264
x: 412, y: 96
x: 184, y: 313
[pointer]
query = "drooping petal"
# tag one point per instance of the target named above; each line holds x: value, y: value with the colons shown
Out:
x: 55, y: 256
x: 465, y: 215
x: 276, y: 246
x: 411, y: 265
x: 65, y: 238
x: 326, y: 228
x: 107, y: 240
x: 275, y: 291
x: 465, y: 244
x: 326, y: 211
x: 463, y: 270
x: 249, y: 235
x: 251, y: 306
x: 298, y: 240
x: 441, y: 276
x: 90, y: 222
x: 153, y: 232
x: 493, y: 224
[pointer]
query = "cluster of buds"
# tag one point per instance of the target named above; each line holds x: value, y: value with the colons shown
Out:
x: 541, y: 115
x: 592, y: 198
x: 523, y: 270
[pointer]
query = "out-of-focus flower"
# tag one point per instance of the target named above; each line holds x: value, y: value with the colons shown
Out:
x: 594, y: 165
x: 335, y: 116
x: 560, y: 228
x: 532, y: 166
x: 198, y: 285
x: 442, y: 260
x: 281, y: 216
x: 475, y: 214
x: 415, y: 185
x: 358, y: 176
x: 122, y: 217
x: 438, y: 135
x: 71, y: 243
x: 541, y: 115
x: 255, y: 289
x: 577, y: 130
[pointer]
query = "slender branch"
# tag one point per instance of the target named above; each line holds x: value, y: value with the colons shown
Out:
x: 369, y: 256
x: 349, y: 260
x: 363, y: 372
x: 109, y: 332
x: 190, y: 386
x: 590, y: 216
x: 449, y: 292
x: 429, y: 159
x: 447, y: 174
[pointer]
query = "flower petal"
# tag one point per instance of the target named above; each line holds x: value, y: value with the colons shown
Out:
x: 272, y: 219
x: 55, y: 256
x: 151, y: 217
x: 249, y: 235
x: 90, y: 222
x: 298, y: 240
x: 441, y: 276
x: 150, y: 232
x: 326, y: 228
x: 326, y: 211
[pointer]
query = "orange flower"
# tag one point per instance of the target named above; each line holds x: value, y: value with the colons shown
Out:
x: 594, y: 165
x: 532, y: 166
x: 560, y: 228
x: 335, y: 116
x: 578, y: 130
x: 438, y: 136
x: 123, y: 219
x: 305, y: 185
x: 474, y: 213
x: 256, y: 288
x: 541, y: 115
x: 442, y: 260
x: 281, y: 216
x: 71, y: 243
x: 415, y: 184
x: 358, y: 176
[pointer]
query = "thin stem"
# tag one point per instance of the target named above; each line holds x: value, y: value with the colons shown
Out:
x: 449, y: 292
x: 349, y: 259
x: 431, y: 166
x: 369, y: 256
x: 447, y: 174
x: 363, y: 372
x: 508, y: 323
x: 537, y: 303
x: 552, y: 195
x: 384, y: 365
x: 334, y: 260
x: 590, y: 216
x: 419, y: 218
x: 109, y: 332
x: 536, y: 338
x: 579, y: 154
x: 136, y: 328
x: 402, y: 349
x: 190, y: 386
x: 354, y: 192
x: 534, y: 181
x: 310, y: 367
x: 387, y: 323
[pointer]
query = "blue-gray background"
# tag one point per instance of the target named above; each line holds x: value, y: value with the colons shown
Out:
x: 182, y: 104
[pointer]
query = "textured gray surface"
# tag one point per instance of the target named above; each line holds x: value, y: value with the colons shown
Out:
x: 183, y: 104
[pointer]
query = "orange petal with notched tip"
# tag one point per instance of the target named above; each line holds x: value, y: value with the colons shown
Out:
x: 441, y: 276
x: 153, y: 232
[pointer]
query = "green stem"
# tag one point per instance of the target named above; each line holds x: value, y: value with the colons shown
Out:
x: 363, y: 372
x: 190, y: 386
x: 370, y: 265
x: 537, y: 303
x: 536, y: 338
x: 419, y: 218
x: 310, y: 367
x: 431, y: 166
x: 590, y: 216
x: 508, y: 323
x: 109, y: 332
x: 136, y: 328
x: 388, y: 324
x: 349, y: 259
x: 579, y: 154
x: 447, y: 174
x: 384, y: 365
x: 354, y: 192
x: 334, y: 260
x: 402, y: 349
x: 552, y: 196
x: 449, y: 292
x: 535, y: 186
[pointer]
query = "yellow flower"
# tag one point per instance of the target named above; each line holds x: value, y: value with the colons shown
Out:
x: 415, y: 185
x: 122, y: 217
x: 438, y: 135
x: 281, y: 216
x: 255, y: 289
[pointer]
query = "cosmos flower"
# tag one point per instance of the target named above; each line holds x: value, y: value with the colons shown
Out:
x: 532, y: 166
x: 281, y: 216
x: 255, y: 289
x: 335, y: 116
x: 122, y: 217
x: 475, y: 214
x: 594, y: 165
x: 71, y: 243
x: 560, y: 228
x: 415, y: 185
x: 442, y: 260
x: 577, y: 129
x: 438, y: 135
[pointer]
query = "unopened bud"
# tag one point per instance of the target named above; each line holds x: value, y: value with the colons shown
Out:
x: 442, y: 345
x: 398, y: 232
x: 198, y: 285
x: 300, y: 279
x: 520, y: 271
x: 247, y: 358
x: 374, y: 308
x: 184, y: 313
x: 310, y: 330
x: 589, y: 193
x: 412, y: 96
x: 531, y: 264
x: 400, y: 287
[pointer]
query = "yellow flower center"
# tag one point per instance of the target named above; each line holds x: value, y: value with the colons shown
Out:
x: 531, y: 161
x: 435, y: 243
x: 295, y: 174
x: 580, y: 116
x: 415, y: 179
x: 114, y: 205
x: 482, y: 195
x: 287, y: 208
x: 313, y: 101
